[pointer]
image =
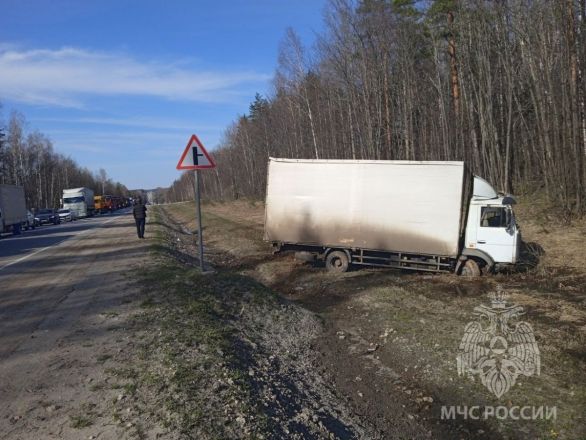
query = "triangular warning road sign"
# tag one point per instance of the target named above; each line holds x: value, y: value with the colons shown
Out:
x: 195, y: 156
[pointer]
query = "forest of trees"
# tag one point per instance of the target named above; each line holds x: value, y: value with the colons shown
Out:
x: 499, y: 84
x: 29, y: 160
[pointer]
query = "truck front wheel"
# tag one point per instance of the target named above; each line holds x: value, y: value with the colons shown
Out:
x: 337, y: 261
x: 470, y: 269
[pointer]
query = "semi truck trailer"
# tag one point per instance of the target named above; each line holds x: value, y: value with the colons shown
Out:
x: 80, y: 201
x: 13, y: 212
x: 424, y: 216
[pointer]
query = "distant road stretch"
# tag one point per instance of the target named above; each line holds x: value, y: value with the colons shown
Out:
x: 31, y: 245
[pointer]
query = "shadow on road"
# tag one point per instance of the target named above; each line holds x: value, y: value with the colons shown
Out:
x: 82, y: 277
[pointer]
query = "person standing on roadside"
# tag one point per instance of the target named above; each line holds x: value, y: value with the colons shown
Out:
x: 139, y: 212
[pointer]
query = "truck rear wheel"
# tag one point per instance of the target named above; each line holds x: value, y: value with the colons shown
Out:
x: 337, y: 261
x: 470, y: 269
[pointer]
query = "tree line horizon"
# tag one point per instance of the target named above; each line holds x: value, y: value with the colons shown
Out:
x: 28, y: 159
x: 496, y: 84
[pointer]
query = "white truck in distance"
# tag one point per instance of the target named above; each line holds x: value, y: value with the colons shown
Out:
x: 80, y: 201
x: 12, y: 208
x: 427, y: 216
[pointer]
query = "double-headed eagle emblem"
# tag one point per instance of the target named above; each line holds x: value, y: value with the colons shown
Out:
x: 497, y: 347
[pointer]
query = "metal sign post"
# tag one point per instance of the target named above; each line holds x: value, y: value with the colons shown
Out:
x: 197, y: 160
x: 199, y: 228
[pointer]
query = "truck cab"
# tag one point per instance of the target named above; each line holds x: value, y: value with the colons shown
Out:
x: 492, y: 234
x: 76, y: 203
x: 80, y: 201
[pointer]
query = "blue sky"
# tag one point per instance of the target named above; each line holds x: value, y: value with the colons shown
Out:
x: 121, y: 84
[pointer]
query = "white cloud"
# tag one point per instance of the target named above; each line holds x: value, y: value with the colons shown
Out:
x: 155, y: 123
x: 115, y: 142
x: 124, y: 145
x: 65, y: 76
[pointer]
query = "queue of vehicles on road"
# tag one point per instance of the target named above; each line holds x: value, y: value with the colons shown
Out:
x: 76, y: 203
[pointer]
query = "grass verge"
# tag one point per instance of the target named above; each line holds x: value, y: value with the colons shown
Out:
x: 192, y: 369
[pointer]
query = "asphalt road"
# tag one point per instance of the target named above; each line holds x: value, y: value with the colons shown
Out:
x: 17, y: 249
x: 61, y: 289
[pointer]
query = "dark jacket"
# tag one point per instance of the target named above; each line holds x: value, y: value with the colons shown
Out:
x: 139, y: 211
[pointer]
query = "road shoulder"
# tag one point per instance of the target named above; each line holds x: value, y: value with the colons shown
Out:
x: 58, y: 381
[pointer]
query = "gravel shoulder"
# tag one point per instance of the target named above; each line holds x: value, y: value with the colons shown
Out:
x: 65, y: 325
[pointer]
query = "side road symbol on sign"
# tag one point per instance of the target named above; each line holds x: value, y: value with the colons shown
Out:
x: 195, y: 156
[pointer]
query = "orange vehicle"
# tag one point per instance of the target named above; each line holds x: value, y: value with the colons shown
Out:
x: 98, y: 203
x: 103, y: 204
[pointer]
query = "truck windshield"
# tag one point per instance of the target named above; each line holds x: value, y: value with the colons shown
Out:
x: 73, y: 199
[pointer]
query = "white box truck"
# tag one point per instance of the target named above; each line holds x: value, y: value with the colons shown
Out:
x: 80, y: 201
x: 12, y: 208
x: 428, y: 216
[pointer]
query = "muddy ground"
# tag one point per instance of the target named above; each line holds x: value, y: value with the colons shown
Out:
x: 378, y: 348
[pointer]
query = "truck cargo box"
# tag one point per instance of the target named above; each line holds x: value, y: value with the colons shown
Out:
x: 12, y: 205
x: 403, y: 206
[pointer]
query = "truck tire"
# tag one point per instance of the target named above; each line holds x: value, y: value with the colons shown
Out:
x: 470, y: 269
x: 337, y: 261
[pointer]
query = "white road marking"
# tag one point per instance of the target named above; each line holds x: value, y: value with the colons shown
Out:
x: 38, y: 251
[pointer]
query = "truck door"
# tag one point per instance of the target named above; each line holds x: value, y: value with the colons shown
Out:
x: 494, y: 234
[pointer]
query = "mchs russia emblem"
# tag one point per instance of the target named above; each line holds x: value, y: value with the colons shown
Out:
x: 498, y: 347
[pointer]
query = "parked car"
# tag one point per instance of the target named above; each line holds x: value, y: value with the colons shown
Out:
x: 46, y: 215
x: 66, y: 215
x: 31, y: 221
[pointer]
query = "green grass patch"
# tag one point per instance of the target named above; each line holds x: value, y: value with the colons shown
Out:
x: 103, y: 358
x: 96, y: 387
x: 85, y: 416
x: 188, y: 354
x: 79, y: 422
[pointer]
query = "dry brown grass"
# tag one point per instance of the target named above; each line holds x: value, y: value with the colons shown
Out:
x: 563, y: 243
x: 428, y: 312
